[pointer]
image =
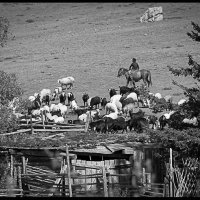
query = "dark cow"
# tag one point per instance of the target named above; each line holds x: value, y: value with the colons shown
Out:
x: 152, y: 119
x: 137, y: 115
x: 138, y: 124
x: 99, y: 125
x: 120, y: 124
x: 115, y: 124
x: 85, y: 97
x: 70, y: 97
x: 63, y: 98
x: 103, y: 102
x: 78, y: 122
x: 112, y: 92
x: 46, y: 99
x: 95, y: 101
x: 176, y: 120
x: 124, y: 89
x: 163, y: 122
x: 127, y: 101
x: 80, y: 111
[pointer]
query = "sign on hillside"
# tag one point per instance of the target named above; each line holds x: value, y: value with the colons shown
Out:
x: 152, y: 14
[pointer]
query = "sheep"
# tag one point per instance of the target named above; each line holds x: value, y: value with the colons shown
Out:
x: 181, y: 102
x: 44, y: 92
x: 83, y: 117
x: 36, y: 113
x: 193, y: 121
x: 67, y: 81
x: 58, y: 119
x: 63, y: 109
x: 158, y: 95
x: 31, y: 98
x: 74, y: 105
x: 111, y: 107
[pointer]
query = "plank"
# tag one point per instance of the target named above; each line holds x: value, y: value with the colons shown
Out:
x: 16, y: 132
x: 57, y: 130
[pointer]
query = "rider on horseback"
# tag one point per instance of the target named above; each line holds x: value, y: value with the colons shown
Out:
x: 134, y: 65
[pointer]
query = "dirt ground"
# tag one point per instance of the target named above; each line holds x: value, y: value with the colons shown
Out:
x: 91, y: 41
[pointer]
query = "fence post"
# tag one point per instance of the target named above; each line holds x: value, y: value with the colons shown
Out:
x: 68, y: 171
x: 171, y: 173
x: 105, y: 188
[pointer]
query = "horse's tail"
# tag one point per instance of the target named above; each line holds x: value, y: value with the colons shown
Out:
x: 149, y: 79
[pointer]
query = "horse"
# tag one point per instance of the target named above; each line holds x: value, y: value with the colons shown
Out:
x: 135, y: 76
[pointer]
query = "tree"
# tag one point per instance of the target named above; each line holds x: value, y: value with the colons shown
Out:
x: 9, y: 88
x: 192, y: 107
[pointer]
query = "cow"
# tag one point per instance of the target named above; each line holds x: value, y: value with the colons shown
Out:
x: 70, y: 97
x: 138, y: 124
x: 85, y: 98
x: 103, y: 102
x: 95, y: 101
x: 98, y: 125
x: 124, y: 90
x: 152, y: 119
x: 62, y: 98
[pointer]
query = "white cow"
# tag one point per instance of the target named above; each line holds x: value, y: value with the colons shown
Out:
x: 111, y: 107
x: 112, y: 115
x: 67, y: 81
x: 128, y: 107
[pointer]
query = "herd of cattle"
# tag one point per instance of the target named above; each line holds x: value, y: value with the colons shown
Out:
x: 122, y: 110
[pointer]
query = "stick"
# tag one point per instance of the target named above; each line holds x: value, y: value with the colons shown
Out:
x: 171, y: 173
x: 68, y: 171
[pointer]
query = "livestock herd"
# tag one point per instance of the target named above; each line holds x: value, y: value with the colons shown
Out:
x: 121, y: 112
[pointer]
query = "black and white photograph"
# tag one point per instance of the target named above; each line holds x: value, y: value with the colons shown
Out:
x: 99, y: 99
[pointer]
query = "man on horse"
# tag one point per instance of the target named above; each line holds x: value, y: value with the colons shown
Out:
x: 134, y: 65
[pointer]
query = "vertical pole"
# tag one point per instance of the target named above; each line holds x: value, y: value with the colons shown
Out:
x: 24, y: 165
x: 63, y: 178
x: 171, y: 172
x: 11, y: 165
x: 31, y: 125
x: 20, y: 178
x: 143, y: 177
x: 68, y: 171
x: 105, y: 188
